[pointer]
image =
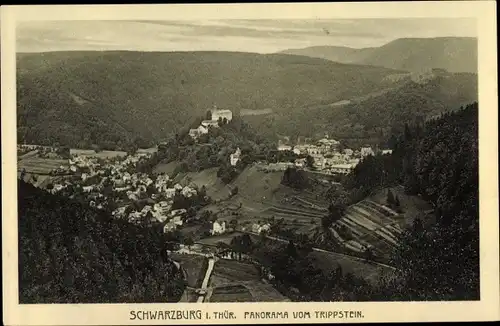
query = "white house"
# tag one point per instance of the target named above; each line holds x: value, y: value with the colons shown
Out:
x: 342, y: 168
x: 169, y: 192
x: 58, y: 187
x: 218, y: 227
x: 386, y: 151
x: 119, y: 211
x: 179, y: 212
x: 235, y: 157
x: 300, y: 162
x: 188, y: 192
x: 257, y: 228
x: 126, y: 177
x: 221, y: 113
x: 209, y: 123
x: 172, y: 224
x: 202, y: 129
x: 366, y: 151
x: 284, y: 148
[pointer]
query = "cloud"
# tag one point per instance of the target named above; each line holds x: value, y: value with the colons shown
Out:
x: 262, y: 36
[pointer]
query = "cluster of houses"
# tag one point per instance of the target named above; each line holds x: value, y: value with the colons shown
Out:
x: 94, y: 174
x: 326, y: 155
x: 217, y: 115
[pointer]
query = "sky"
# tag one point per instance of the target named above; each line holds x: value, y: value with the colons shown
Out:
x: 261, y: 36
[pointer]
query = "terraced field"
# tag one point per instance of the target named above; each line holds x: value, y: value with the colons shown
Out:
x: 372, y: 225
x: 235, y: 281
x: 232, y: 293
x: 37, y: 165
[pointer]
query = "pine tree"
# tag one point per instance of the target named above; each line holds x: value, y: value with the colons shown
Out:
x: 396, y: 202
x: 390, y: 198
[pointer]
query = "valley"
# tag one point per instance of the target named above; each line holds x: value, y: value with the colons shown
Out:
x: 320, y: 174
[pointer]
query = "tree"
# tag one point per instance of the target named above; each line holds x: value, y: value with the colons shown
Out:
x: 188, y: 241
x: 295, y: 178
x: 291, y: 250
x: 233, y: 224
x: 390, y: 198
x: 310, y: 161
x: 23, y: 174
x: 368, y: 253
x: 335, y: 213
x: 222, y: 246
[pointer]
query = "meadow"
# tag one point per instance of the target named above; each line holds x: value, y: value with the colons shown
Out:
x: 100, y: 154
x: 37, y: 165
x: 236, y: 281
x: 193, y: 265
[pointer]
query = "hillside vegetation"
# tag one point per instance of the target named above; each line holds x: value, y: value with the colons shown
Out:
x: 117, y: 98
x: 375, y: 119
x: 439, y: 162
x: 70, y: 253
x: 455, y: 54
x: 83, y: 98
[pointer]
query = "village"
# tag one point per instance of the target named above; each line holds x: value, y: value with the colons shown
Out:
x: 115, y: 182
x: 125, y: 185
x: 327, y: 156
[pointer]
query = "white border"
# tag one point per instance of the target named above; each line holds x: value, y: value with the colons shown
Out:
x: 117, y: 314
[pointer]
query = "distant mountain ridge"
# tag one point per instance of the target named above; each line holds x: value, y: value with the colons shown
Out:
x: 455, y: 54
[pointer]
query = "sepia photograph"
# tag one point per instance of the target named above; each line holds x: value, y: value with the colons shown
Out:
x: 253, y: 160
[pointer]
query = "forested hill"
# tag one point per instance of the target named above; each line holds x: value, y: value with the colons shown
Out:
x: 114, y: 98
x: 376, y: 118
x: 119, y: 99
x: 70, y: 253
x: 438, y: 161
x: 455, y: 54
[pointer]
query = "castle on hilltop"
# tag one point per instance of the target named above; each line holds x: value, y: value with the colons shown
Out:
x: 215, y: 114
x: 222, y: 114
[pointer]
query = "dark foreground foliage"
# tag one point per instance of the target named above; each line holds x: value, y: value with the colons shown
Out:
x: 438, y: 161
x: 70, y: 253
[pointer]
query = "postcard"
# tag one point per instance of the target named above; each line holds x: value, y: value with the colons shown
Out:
x: 250, y: 163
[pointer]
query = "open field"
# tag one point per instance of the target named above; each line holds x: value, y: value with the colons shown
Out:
x: 193, y: 265
x: 147, y: 150
x: 231, y: 293
x: 189, y: 295
x: 37, y: 165
x: 246, y: 112
x: 235, y: 271
x: 412, y: 206
x: 235, y: 281
x: 226, y: 238
x: 26, y: 154
x: 370, y: 272
x: 265, y: 292
x: 216, y: 189
x: 167, y: 168
x: 92, y: 153
x: 262, y: 196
